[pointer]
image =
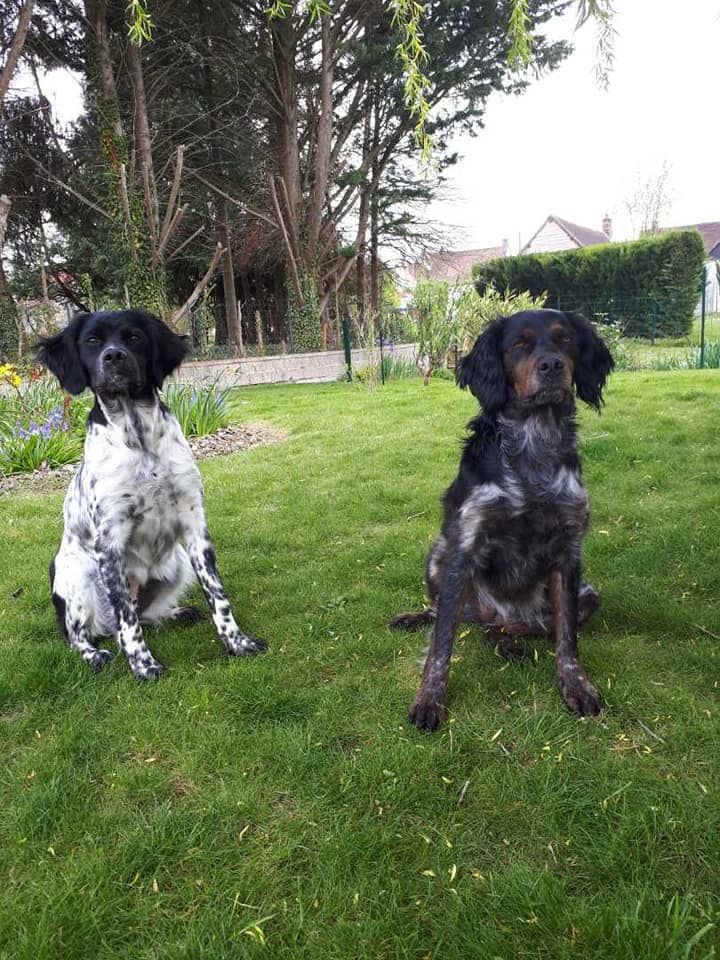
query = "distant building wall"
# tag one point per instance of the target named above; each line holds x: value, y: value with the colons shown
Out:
x: 282, y: 368
x: 549, y: 239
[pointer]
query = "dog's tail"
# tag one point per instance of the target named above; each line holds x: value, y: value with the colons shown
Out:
x: 413, y: 621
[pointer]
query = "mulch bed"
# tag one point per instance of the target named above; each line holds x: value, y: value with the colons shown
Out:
x: 230, y: 439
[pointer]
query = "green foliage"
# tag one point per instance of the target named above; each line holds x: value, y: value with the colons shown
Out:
x: 436, y: 323
x: 475, y: 311
x: 612, y: 333
x: 21, y: 453
x: 398, y: 368
x: 412, y: 54
x: 305, y: 318
x: 8, y: 329
x: 140, y: 22
x: 199, y: 410
x: 519, y: 32
x: 40, y: 427
x: 648, y: 285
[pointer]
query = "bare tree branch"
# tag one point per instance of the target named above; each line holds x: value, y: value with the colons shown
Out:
x: 288, y: 245
x: 237, y: 203
x: 199, y: 286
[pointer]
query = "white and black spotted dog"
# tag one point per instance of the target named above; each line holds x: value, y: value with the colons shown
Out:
x: 134, y: 518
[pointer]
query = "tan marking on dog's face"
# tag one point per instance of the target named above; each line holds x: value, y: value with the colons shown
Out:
x: 523, y: 377
x: 564, y: 342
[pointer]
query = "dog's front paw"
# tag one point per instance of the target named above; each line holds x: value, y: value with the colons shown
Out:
x: 241, y: 645
x: 580, y: 695
x: 146, y: 667
x: 427, y: 713
x: 99, y: 659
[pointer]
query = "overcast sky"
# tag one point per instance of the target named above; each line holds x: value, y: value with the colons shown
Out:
x: 565, y: 147
x: 568, y: 148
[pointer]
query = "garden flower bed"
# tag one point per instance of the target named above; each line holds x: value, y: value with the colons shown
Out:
x: 42, y: 430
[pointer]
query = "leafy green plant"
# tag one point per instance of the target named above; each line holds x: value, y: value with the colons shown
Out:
x: 476, y: 310
x: 40, y: 426
x: 47, y: 446
x: 612, y: 333
x: 398, y: 368
x: 437, y: 325
x: 199, y: 410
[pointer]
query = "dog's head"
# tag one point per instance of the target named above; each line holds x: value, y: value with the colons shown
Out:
x: 535, y: 358
x: 115, y: 353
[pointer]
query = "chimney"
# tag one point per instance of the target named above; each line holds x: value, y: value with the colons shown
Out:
x: 607, y: 226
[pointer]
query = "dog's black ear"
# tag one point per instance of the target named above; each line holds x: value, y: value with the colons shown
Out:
x: 482, y: 369
x: 594, y: 361
x: 168, y: 350
x: 61, y: 356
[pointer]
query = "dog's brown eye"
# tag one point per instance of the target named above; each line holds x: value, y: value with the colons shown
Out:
x: 92, y: 340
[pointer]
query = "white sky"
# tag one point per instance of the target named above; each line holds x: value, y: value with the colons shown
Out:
x: 568, y: 148
x: 565, y: 147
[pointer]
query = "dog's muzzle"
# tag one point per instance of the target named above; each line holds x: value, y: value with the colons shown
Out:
x: 117, y: 369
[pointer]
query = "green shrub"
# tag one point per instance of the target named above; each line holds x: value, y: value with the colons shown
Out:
x: 436, y: 317
x: 199, y: 410
x: 476, y: 310
x: 649, y: 286
x: 398, y: 368
x: 43, y: 445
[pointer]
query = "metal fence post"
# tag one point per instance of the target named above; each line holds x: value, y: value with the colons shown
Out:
x: 654, y: 314
x: 346, y: 347
x: 703, y: 296
x: 382, y: 360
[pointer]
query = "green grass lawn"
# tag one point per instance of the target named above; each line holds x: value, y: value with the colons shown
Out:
x: 282, y: 807
x: 643, y: 354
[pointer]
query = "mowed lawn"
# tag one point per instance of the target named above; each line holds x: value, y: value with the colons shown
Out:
x: 282, y: 807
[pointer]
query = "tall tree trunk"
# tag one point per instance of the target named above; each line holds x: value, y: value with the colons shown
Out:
x: 323, y: 141
x: 143, y: 142
x: 228, y: 276
x: 374, y: 257
x: 284, y: 44
x: 16, y: 47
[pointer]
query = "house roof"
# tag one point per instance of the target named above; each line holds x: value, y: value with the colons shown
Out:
x: 581, y: 236
x: 710, y: 232
x: 453, y: 264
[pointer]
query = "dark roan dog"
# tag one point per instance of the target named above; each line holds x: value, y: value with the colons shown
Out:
x: 135, y: 528
x: 509, y: 553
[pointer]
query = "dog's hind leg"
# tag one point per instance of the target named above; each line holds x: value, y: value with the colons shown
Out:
x: 416, y: 620
x: 159, y: 599
x: 502, y: 631
x: 74, y: 618
x: 413, y: 620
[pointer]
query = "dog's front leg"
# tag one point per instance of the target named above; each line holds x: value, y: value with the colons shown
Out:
x: 202, y: 557
x: 129, y: 632
x: 575, y: 688
x: 428, y: 710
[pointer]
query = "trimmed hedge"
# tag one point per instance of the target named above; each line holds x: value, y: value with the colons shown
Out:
x: 650, y: 286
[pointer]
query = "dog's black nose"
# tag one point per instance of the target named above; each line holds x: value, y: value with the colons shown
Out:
x: 550, y: 366
x: 113, y: 356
